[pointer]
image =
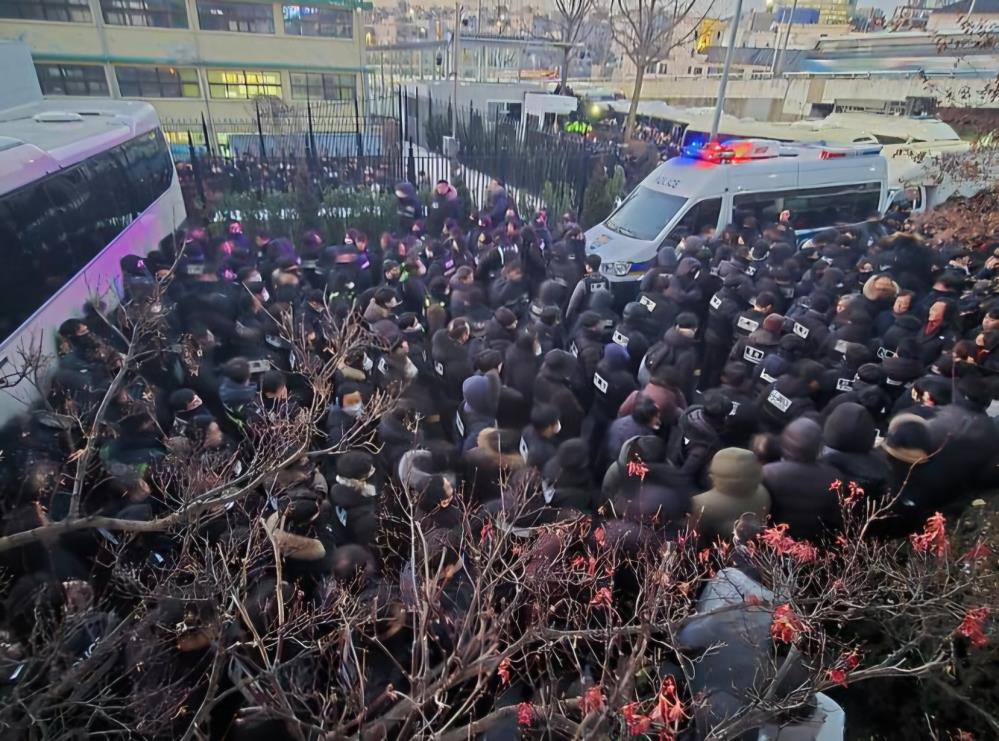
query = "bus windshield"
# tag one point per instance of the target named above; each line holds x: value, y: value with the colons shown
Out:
x: 645, y: 213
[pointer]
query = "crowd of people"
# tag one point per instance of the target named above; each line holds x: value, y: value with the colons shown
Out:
x: 745, y: 378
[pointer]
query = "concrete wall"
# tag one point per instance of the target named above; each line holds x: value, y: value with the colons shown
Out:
x: 952, y: 21
x: 792, y: 98
x: 479, y: 94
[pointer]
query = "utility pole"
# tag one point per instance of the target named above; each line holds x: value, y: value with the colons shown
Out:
x: 729, y: 53
x: 780, y: 52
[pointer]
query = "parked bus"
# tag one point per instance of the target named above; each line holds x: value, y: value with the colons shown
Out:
x: 82, y: 184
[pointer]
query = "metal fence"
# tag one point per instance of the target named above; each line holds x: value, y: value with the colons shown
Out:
x: 322, y: 145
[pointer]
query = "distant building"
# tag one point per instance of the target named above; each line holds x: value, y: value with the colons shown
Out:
x: 483, y: 58
x: 830, y: 11
x: 194, y: 57
x: 983, y: 13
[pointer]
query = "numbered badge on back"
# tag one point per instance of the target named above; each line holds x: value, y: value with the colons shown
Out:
x: 753, y: 355
x: 777, y: 399
x: 600, y: 383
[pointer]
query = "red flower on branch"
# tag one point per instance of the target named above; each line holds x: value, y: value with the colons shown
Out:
x: 855, y: 492
x: 835, y: 486
x: 602, y: 598
x: 851, y: 660
x: 838, y: 676
x: 639, y: 469
x: 600, y: 535
x: 669, y: 706
x: 776, y: 537
x: 803, y: 552
x: 525, y: 715
x: 977, y: 552
x: 933, y: 539
x: 592, y: 700
x: 487, y: 530
x: 786, y: 626
x: 503, y: 670
x: 636, y: 722
x: 972, y: 626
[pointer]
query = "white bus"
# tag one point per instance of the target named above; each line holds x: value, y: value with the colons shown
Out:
x: 823, y: 185
x: 82, y: 184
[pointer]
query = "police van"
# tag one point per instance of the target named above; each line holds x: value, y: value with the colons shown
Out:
x: 723, y: 183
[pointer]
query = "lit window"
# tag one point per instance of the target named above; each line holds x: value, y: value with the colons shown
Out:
x: 243, y: 84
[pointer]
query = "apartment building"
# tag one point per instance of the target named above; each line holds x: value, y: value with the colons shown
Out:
x: 216, y: 59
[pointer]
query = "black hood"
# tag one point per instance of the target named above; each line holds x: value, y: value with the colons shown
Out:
x: 849, y: 429
x: 801, y: 441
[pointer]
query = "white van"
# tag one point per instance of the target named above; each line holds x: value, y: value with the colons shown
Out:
x: 708, y: 188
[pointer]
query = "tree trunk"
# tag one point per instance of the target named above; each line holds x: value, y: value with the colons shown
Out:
x: 629, y: 124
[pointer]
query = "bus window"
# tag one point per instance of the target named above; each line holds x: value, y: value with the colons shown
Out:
x: 699, y: 217
x: 114, y: 210
x: 149, y: 168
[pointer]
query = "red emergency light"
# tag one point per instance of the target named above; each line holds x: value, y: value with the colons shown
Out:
x: 737, y: 150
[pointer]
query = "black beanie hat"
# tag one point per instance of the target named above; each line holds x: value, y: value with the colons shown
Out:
x: 355, y: 465
x: 573, y: 454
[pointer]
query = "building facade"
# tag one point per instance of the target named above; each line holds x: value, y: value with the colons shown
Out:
x: 830, y: 11
x: 193, y: 59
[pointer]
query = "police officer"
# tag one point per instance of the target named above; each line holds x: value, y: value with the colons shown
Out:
x: 588, y: 343
x: 719, y: 333
x: 753, y: 348
x: 452, y: 365
x: 629, y: 334
x: 749, y: 320
x: 592, y: 282
x: 408, y: 206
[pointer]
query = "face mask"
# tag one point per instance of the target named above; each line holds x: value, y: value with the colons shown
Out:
x: 354, y: 410
x: 558, y: 429
x: 537, y: 350
x: 367, y: 364
x: 84, y: 341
